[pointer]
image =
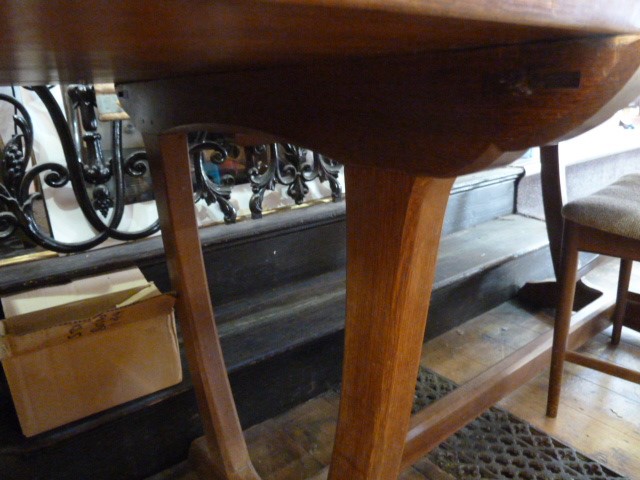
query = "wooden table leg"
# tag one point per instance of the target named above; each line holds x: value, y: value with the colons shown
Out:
x: 393, y: 223
x: 226, y: 452
x: 553, y: 182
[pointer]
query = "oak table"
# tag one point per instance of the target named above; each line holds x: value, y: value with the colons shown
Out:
x: 408, y: 94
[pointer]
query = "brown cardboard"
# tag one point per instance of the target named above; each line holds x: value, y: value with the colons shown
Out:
x: 67, y: 362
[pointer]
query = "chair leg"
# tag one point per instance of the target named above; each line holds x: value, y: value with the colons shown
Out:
x: 567, y: 284
x: 621, y: 299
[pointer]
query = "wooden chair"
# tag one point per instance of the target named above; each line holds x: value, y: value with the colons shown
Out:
x: 606, y: 222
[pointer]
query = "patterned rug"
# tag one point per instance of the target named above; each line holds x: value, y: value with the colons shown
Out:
x: 498, y: 445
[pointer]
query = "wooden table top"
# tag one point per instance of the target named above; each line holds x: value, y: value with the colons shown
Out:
x: 52, y: 41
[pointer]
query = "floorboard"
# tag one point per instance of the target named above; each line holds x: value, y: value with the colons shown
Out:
x: 598, y: 413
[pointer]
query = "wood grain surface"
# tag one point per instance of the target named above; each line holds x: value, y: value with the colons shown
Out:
x: 49, y: 41
x: 438, y: 113
x: 435, y: 423
x: 223, y: 434
x: 393, y: 231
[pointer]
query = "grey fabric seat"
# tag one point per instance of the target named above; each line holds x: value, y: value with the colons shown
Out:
x: 614, y: 209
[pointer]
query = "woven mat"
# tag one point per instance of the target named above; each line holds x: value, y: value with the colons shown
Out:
x: 498, y: 445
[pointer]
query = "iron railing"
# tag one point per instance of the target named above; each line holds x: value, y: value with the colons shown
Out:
x: 102, y: 183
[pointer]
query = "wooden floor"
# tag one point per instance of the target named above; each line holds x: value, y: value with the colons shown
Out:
x: 599, y: 415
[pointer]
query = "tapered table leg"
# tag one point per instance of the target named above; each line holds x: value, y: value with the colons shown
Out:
x: 554, y: 188
x: 393, y: 222
x: 225, y: 451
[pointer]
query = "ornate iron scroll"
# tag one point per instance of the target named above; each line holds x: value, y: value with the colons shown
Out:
x: 288, y: 165
x: 100, y: 184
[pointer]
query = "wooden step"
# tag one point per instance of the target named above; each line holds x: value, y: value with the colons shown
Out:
x: 278, y: 287
x: 282, y: 347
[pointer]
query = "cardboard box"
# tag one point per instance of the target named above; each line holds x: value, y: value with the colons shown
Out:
x: 69, y: 361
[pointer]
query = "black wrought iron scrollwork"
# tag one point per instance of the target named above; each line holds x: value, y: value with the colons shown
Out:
x: 99, y: 183
x: 207, y: 150
x: 88, y: 171
x: 262, y: 175
x: 328, y: 171
x: 288, y: 165
x: 16, y: 201
x: 294, y: 171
